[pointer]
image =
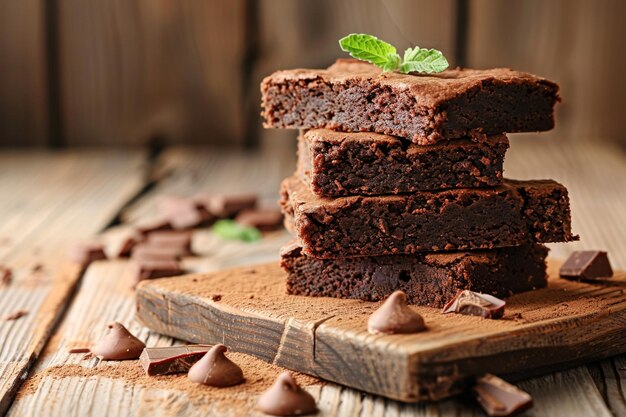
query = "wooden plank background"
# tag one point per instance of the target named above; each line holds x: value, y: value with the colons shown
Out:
x: 123, y: 72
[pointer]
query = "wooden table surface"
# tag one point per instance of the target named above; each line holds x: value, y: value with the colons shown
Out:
x: 50, y: 200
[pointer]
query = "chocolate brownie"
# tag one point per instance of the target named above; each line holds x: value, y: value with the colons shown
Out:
x: 427, y: 279
x: 337, y: 164
x: 355, y: 96
x: 458, y: 219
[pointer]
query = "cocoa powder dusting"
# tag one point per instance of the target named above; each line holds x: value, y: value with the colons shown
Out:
x: 259, y: 376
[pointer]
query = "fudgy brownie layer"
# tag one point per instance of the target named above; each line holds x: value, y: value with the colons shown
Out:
x: 355, y: 96
x: 337, y: 164
x: 427, y: 221
x: 427, y: 279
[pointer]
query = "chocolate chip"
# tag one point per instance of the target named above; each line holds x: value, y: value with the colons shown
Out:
x: 119, y: 344
x: 215, y: 369
x: 395, y: 316
x: 171, y: 359
x: 499, y: 398
x: 475, y: 304
x: 286, y: 398
x: 589, y: 264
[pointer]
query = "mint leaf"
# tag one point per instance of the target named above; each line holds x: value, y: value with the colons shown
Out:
x: 229, y: 229
x: 371, y: 49
x: 423, y: 60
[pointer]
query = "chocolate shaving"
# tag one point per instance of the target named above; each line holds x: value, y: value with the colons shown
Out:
x: 475, y: 304
x: 171, y: 359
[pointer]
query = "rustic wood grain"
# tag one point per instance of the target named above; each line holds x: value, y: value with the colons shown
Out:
x: 132, y: 72
x: 557, y: 39
x: 328, y: 337
x: 23, y: 98
x: 50, y: 200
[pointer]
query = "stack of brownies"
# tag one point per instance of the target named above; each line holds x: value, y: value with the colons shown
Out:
x: 399, y: 183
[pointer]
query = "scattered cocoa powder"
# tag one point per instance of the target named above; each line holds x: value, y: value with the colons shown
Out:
x: 259, y: 376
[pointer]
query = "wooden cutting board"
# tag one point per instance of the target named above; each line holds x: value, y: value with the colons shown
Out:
x: 247, y: 309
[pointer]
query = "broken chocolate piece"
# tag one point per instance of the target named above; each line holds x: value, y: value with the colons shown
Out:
x: 183, y: 213
x: 215, y: 369
x: 171, y: 359
x: 87, y: 252
x: 286, y: 398
x: 588, y: 264
x: 395, y: 316
x: 475, y: 304
x: 15, y: 315
x: 154, y: 268
x: 262, y: 219
x: 148, y: 252
x: 118, y: 345
x: 221, y: 205
x: 154, y: 225
x: 499, y: 398
x: 171, y: 239
x: 119, y: 243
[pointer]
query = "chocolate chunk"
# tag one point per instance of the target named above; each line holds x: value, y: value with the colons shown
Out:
x: 475, y: 304
x: 15, y: 315
x: 87, y: 252
x: 588, y: 264
x: 150, y: 269
x: 119, y: 344
x: 222, y: 205
x: 147, y: 252
x: 171, y: 239
x: 6, y: 275
x: 286, y: 398
x: 154, y: 225
x: 183, y: 213
x: 395, y: 316
x: 120, y: 243
x: 171, y: 359
x: 262, y: 219
x: 499, y: 398
x: 215, y: 369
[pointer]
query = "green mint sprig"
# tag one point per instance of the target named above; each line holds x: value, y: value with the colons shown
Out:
x: 384, y: 55
x: 229, y: 229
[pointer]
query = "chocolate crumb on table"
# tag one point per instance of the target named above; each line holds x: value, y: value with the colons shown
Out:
x: 457, y: 219
x: 15, y: 315
x: 430, y: 279
x: 6, y: 275
x: 355, y: 96
x: 335, y: 164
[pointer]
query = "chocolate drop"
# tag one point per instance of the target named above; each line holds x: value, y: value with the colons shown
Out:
x: 215, y: 369
x: 395, y: 316
x: 286, y: 398
x: 118, y: 345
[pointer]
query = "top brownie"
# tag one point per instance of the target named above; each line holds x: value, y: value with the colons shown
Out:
x: 355, y: 96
